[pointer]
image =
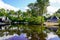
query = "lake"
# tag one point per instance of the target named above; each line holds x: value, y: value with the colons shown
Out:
x: 31, y: 32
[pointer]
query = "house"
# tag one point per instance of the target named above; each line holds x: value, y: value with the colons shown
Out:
x: 52, y: 19
x: 4, y: 19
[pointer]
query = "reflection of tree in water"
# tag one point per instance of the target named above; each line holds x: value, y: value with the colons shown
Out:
x: 1, y: 34
x: 33, y: 31
x: 58, y: 31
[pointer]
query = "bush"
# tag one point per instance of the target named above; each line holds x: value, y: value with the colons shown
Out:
x: 26, y: 19
x: 39, y: 19
x: 13, y: 18
x: 33, y: 20
x: 36, y: 20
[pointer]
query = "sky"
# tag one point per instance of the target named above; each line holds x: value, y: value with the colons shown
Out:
x: 22, y: 5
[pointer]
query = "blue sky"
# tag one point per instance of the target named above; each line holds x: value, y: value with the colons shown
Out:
x: 19, y: 3
x: 22, y: 5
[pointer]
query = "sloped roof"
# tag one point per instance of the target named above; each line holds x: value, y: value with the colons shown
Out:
x: 53, y: 19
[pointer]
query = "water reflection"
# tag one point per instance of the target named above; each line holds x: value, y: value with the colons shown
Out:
x: 33, y: 31
x: 52, y: 36
x: 20, y: 37
x: 58, y: 31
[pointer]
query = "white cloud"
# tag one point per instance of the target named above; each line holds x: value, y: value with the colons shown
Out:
x: 54, y: 1
x: 54, y: 6
x: 7, y: 6
x: 24, y: 8
x: 52, y: 9
x: 58, y: 1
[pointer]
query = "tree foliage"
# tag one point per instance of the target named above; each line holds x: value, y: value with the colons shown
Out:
x: 40, y: 7
x: 57, y: 13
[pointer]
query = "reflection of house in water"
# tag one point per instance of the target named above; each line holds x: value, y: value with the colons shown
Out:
x: 4, y: 21
x: 52, y: 21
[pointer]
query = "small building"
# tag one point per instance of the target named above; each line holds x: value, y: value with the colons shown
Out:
x: 4, y: 19
x: 53, y: 19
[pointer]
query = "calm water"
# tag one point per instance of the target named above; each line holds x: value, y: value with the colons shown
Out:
x: 32, y: 32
